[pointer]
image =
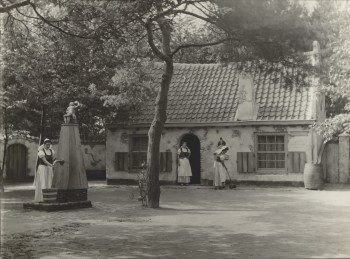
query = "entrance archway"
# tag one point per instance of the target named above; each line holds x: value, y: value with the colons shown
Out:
x: 194, y: 145
x: 16, y: 162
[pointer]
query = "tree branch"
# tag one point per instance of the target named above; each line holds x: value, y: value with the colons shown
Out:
x: 173, y: 8
x: 201, y: 45
x: 63, y: 20
x: 22, y: 22
x: 56, y: 27
x: 8, y: 8
x: 194, y: 15
x: 156, y: 51
x: 206, y: 8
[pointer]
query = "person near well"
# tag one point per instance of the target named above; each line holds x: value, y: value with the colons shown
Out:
x: 44, y: 172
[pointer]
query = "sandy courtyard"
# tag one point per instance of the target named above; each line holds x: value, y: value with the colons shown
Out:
x: 193, y: 222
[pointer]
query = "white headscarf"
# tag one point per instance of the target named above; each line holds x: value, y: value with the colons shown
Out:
x: 219, y: 150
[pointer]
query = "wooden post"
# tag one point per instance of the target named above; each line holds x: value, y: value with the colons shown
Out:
x: 344, y: 158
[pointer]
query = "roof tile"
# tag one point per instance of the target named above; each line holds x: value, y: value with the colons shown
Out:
x: 208, y: 93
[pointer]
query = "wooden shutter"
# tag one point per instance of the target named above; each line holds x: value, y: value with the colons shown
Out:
x: 169, y: 161
x: 131, y: 141
x: 245, y: 162
x: 296, y: 162
x: 162, y: 162
x: 121, y: 161
x: 165, y: 161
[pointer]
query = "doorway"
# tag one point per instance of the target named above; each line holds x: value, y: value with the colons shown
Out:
x: 194, y: 145
x: 16, y: 162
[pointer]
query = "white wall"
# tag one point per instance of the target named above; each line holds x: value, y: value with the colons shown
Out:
x: 238, y: 139
x: 94, y: 154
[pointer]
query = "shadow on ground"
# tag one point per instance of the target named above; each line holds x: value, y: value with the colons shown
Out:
x: 192, y: 223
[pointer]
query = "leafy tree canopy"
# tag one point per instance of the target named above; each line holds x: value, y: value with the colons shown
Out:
x: 332, y: 22
x: 46, y: 67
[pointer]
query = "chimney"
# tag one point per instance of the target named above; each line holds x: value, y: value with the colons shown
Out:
x: 247, y: 108
x: 315, y: 53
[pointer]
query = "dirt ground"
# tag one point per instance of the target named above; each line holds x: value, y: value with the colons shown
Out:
x: 193, y: 222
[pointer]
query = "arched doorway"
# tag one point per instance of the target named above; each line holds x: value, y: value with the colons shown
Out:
x: 16, y: 162
x: 195, y: 159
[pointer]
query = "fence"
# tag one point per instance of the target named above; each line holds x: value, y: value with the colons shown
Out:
x: 336, y: 160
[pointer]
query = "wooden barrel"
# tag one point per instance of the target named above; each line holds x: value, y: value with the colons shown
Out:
x: 49, y: 195
x: 313, y: 176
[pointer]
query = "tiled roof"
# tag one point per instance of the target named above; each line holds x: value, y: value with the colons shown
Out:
x: 209, y: 93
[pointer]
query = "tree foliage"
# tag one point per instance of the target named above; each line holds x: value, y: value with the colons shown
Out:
x: 332, y: 20
x: 45, y: 67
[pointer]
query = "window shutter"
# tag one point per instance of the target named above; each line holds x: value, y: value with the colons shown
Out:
x: 121, y: 161
x: 245, y: 162
x: 296, y: 162
x: 165, y: 161
x: 169, y: 161
x: 130, y: 162
x: 240, y: 162
x: 162, y: 162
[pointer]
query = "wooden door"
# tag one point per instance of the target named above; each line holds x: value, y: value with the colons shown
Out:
x: 16, y: 162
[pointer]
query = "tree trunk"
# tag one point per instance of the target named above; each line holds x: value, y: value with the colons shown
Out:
x: 5, y: 129
x: 42, y: 123
x: 2, y: 170
x: 154, y: 135
x: 2, y: 104
x: 155, y: 131
x: 42, y: 126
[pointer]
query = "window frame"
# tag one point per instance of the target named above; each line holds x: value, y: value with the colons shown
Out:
x: 271, y: 170
x: 131, y: 151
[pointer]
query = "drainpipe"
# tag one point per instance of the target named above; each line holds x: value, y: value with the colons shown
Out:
x: 312, y: 145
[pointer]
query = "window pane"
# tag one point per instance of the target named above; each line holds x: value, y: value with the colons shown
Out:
x: 138, y: 158
x: 261, y: 139
x: 270, y: 156
x: 270, y: 164
x: 271, y: 139
x: 279, y: 147
x: 144, y: 143
x: 280, y: 164
x: 280, y: 139
x: 270, y: 147
x: 261, y: 147
x: 261, y: 156
x: 262, y: 164
x: 139, y: 143
x: 280, y: 157
x: 135, y: 144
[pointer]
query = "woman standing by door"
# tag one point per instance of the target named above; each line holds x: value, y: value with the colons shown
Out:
x: 184, y: 167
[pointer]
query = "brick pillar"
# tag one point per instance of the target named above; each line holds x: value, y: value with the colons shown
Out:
x: 344, y: 157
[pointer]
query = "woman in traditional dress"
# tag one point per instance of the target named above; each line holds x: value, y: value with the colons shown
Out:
x: 220, y: 168
x: 44, y: 172
x: 184, y: 168
x: 221, y: 143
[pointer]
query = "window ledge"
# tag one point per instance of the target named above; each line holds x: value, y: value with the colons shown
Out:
x: 271, y: 172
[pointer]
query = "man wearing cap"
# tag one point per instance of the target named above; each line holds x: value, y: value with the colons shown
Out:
x: 44, y: 172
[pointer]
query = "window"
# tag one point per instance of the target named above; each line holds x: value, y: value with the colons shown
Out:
x: 271, y: 152
x: 138, y: 151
